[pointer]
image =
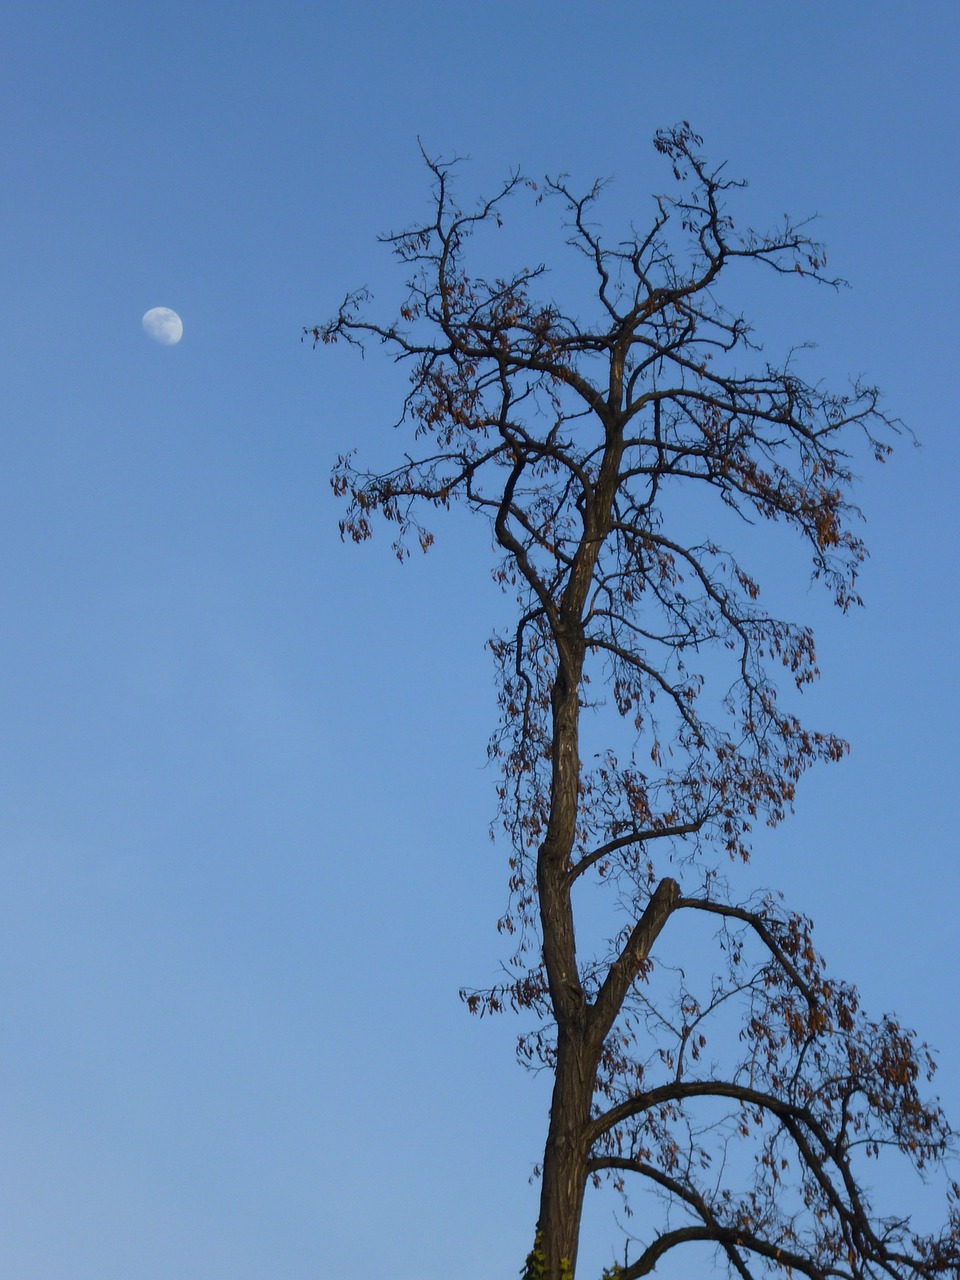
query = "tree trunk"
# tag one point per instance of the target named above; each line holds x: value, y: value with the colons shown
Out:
x: 565, y: 1156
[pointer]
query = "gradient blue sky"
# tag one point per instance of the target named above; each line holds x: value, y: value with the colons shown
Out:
x: 243, y: 854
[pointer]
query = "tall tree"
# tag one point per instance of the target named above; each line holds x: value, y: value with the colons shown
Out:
x: 739, y: 1106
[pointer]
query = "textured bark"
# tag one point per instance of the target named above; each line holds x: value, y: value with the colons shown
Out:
x: 567, y: 1146
x: 566, y: 1153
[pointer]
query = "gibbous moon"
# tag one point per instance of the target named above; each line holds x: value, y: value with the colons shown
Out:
x: 163, y: 326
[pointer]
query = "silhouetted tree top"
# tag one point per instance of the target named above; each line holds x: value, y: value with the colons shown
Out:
x: 572, y: 436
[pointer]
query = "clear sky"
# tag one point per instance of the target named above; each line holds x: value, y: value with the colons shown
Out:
x: 243, y: 855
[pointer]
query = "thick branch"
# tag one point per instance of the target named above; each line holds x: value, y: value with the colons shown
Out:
x: 632, y: 959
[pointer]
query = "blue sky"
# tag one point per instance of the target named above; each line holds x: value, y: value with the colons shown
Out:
x: 243, y: 856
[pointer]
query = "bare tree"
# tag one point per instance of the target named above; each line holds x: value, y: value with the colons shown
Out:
x: 734, y: 1110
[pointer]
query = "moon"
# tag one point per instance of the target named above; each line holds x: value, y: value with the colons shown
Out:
x: 163, y: 326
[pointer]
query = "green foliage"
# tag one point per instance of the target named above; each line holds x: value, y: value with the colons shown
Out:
x: 535, y: 1267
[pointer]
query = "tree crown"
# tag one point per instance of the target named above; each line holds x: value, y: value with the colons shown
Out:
x: 572, y: 436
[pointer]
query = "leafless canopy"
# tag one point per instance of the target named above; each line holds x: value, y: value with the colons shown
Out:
x: 735, y: 1110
